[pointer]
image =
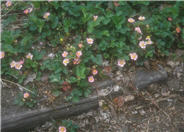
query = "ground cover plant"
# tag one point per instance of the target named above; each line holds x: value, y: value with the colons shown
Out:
x: 72, y: 41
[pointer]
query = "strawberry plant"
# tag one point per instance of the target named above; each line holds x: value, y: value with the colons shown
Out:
x: 69, y: 40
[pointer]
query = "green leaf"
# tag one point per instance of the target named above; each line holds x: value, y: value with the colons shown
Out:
x: 73, y: 79
x: 55, y: 21
x: 80, y: 71
x: 97, y: 60
x: 55, y: 78
x: 8, y: 48
x: 75, y: 99
x: 38, y: 55
x: 56, y: 93
x: 87, y: 92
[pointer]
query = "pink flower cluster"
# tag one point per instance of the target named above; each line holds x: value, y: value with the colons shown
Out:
x: 17, y: 65
x: 75, y: 61
x: 131, y: 20
x: 91, y: 78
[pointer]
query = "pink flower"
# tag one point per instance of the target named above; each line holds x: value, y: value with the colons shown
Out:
x: 29, y: 56
x: 91, y: 79
x: 95, y: 18
x: 137, y: 29
x: 46, y: 15
x: 26, y: 11
x: 12, y: 64
x: 131, y: 20
x: 8, y: 3
x: 26, y: 95
x: 2, y: 54
x: 142, y: 44
x: 169, y: 19
x: 141, y: 18
x: 66, y: 61
x: 18, y: 66
x: 133, y: 56
x: 90, y: 41
x: 94, y: 72
x: 21, y: 62
x: 121, y: 63
x: 80, y: 45
x: 41, y: 43
x: 62, y: 129
x: 78, y: 53
x: 64, y: 54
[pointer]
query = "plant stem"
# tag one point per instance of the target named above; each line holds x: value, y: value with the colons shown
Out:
x: 17, y: 85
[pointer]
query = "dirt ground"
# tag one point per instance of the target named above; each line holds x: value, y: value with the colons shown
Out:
x: 157, y: 108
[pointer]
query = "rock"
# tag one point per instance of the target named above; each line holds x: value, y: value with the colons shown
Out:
x: 116, y: 88
x: 145, y: 78
x: 129, y: 98
x: 142, y: 112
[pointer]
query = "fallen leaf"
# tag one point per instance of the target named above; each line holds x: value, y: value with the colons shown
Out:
x: 119, y: 101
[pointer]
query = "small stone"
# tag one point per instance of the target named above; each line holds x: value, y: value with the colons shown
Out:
x: 157, y: 95
x: 116, y: 88
x: 129, y: 98
x: 118, y: 73
x: 134, y: 112
x: 101, y: 102
x: 118, y: 78
x: 164, y: 92
x: 142, y: 112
